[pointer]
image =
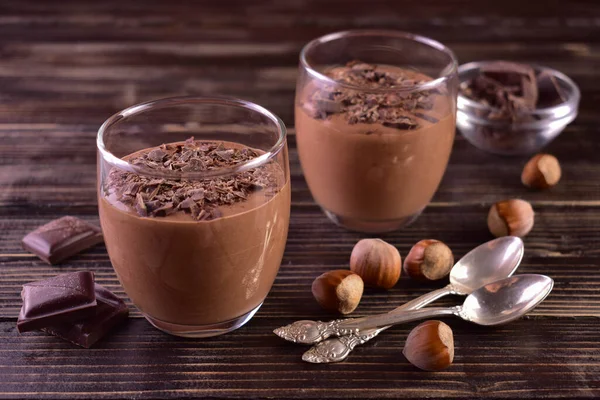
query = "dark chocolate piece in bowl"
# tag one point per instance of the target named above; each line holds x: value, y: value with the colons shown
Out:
x: 508, y: 87
x: 65, y: 297
x: 62, y: 238
x: 110, y: 312
x: 550, y: 91
x: 511, y: 109
x: 518, y: 81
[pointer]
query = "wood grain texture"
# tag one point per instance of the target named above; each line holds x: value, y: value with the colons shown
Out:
x: 66, y: 66
x: 137, y: 361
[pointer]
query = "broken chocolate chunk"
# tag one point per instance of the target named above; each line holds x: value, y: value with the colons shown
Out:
x: 225, y: 154
x: 401, y: 123
x: 513, y: 77
x: 328, y: 106
x: 65, y: 297
x: 110, y: 312
x: 550, y: 91
x: 140, y: 205
x: 187, y: 203
x: 196, y: 194
x: 164, y: 209
x: 157, y: 155
x: 62, y: 238
x: 512, y: 90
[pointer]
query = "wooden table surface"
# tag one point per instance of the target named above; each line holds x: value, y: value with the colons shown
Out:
x: 65, y: 66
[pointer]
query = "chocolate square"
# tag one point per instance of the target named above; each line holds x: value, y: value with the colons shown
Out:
x: 65, y: 297
x: 110, y: 312
x: 551, y: 93
x: 61, y: 239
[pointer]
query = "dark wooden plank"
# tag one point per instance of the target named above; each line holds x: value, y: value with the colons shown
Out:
x: 56, y: 167
x: 563, y: 245
x: 127, y: 54
x: 528, y: 358
x: 167, y: 22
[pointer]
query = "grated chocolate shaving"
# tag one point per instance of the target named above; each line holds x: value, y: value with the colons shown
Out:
x: 396, y: 110
x: 151, y: 197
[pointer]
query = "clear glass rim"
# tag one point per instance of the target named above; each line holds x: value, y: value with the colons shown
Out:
x: 447, y: 73
x: 572, y: 102
x: 181, y: 100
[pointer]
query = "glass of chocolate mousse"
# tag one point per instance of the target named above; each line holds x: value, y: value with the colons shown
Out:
x: 375, y: 119
x: 194, y: 201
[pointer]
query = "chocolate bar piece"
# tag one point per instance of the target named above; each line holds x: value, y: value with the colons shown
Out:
x: 61, y: 239
x: 514, y: 90
x: 551, y: 93
x: 66, y: 297
x: 516, y: 80
x: 110, y: 312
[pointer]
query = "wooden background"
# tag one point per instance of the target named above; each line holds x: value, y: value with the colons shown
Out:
x: 65, y: 66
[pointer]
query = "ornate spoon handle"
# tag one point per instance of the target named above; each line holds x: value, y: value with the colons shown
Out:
x: 311, y: 332
x: 337, y: 349
x: 374, y: 321
x: 426, y: 299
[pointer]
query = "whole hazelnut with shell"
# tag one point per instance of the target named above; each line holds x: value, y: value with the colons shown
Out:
x: 514, y: 217
x: 430, y: 346
x: 541, y: 172
x: 377, y: 262
x: 338, y: 290
x: 429, y: 260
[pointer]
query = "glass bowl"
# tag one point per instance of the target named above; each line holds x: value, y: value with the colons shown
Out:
x: 532, y: 132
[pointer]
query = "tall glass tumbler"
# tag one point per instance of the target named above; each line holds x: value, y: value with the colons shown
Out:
x: 375, y: 116
x: 194, y: 201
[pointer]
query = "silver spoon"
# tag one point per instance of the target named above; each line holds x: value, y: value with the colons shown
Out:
x: 488, y: 262
x: 493, y: 304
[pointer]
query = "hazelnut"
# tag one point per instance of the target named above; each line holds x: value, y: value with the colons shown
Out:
x: 378, y: 263
x: 541, y: 172
x: 429, y: 260
x: 430, y: 346
x: 510, y: 217
x: 338, y: 291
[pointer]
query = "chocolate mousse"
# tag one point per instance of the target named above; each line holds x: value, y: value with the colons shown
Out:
x: 195, y: 253
x: 374, y: 151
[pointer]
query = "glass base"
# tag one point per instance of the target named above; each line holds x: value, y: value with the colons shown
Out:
x: 368, y: 226
x: 202, y: 331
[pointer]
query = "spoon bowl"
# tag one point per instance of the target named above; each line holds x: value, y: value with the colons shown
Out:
x: 489, y: 262
x: 506, y: 300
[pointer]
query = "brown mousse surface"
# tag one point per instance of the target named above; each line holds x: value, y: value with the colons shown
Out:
x: 196, y: 252
x: 374, y: 156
